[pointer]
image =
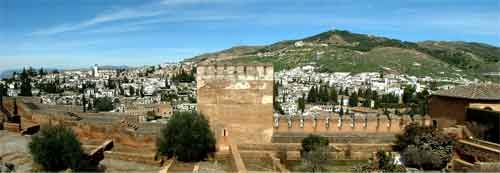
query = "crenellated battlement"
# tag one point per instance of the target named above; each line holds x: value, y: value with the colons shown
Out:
x: 346, y: 124
x: 235, y: 71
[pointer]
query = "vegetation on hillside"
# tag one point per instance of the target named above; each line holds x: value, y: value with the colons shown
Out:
x: 339, y: 50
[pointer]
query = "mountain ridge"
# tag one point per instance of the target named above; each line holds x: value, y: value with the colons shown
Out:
x: 340, y: 50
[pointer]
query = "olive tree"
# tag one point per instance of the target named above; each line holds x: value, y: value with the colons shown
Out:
x: 57, y: 148
x: 187, y: 136
x: 424, y: 147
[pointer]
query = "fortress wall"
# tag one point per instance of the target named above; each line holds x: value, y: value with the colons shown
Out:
x: 238, y: 99
x: 87, y: 130
x: 371, y: 125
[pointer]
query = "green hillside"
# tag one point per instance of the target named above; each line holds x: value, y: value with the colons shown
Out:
x: 341, y: 51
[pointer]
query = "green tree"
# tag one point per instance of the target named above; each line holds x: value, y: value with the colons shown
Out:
x: 25, y: 84
x: 1, y: 96
x: 131, y: 91
x: 183, y: 76
x: 3, y: 90
x: 367, y: 102
x: 315, y: 160
x: 84, y: 102
x: 333, y: 95
x: 353, y: 100
x: 275, y: 96
x: 57, y: 148
x: 15, y: 111
x: 301, y: 103
x: 323, y: 94
x: 122, y: 91
x: 312, y: 142
x: 424, y: 147
x: 341, y: 111
x: 141, y: 91
x: 311, y: 96
x: 279, y: 109
x: 42, y: 72
x: 187, y: 136
x: 103, y: 104
x: 314, y: 153
x: 408, y: 94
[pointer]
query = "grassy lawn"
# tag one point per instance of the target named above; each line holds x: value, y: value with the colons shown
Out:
x: 332, y: 165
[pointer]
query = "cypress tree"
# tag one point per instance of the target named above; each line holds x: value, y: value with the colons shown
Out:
x: 353, y: 100
x: 131, y: 91
x: 333, y: 95
x: 84, y: 101
x: 325, y: 94
x: 25, y: 84
x: 15, y: 107
x: 311, y: 97
x: 341, y: 112
x: 360, y: 92
x: 142, y: 91
x: 301, y: 103
x: 1, y: 96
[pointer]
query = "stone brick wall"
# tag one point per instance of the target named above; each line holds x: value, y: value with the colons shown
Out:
x: 237, y: 99
x: 337, y: 125
x: 89, y: 130
x: 447, y: 111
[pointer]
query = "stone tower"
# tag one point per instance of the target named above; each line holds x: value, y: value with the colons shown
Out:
x: 237, y: 99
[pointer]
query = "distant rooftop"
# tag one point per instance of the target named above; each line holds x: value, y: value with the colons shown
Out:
x: 233, y: 64
x: 475, y: 91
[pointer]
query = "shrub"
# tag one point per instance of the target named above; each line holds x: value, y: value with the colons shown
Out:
x: 103, y: 104
x: 187, y: 136
x: 315, y: 160
x: 57, y: 148
x: 314, y: 153
x: 312, y: 142
x: 423, y: 147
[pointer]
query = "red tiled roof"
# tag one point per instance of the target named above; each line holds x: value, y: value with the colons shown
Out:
x: 475, y: 91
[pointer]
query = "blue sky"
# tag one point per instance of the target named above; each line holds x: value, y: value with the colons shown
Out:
x: 78, y: 33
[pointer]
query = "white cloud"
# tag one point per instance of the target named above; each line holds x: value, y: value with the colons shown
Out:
x: 116, y: 15
x: 116, y: 29
x: 140, y: 12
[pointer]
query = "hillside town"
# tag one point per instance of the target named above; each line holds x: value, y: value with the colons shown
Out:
x: 172, y: 87
x: 244, y: 86
x: 283, y: 107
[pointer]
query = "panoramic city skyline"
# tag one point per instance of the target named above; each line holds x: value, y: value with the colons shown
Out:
x: 249, y: 86
x: 72, y: 35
